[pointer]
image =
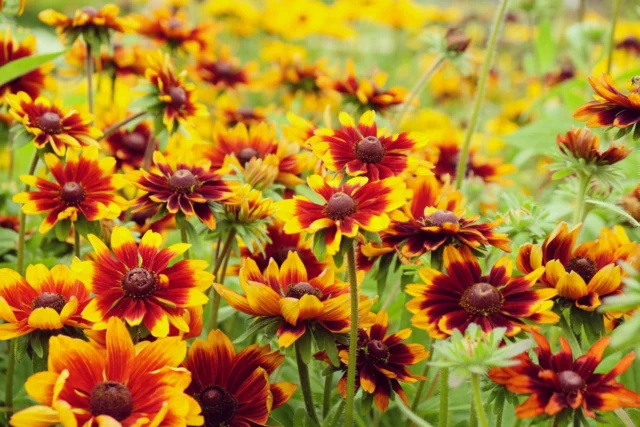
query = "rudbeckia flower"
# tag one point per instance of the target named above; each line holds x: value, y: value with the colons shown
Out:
x: 381, y: 362
x: 345, y: 210
x: 300, y: 130
x: 122, y: 385
x: 611, y: 107
x: 173, y: 29
x: 233, y: 389
x: 582, y: 144
x: 177, y: 97
x: 51, y: 124
x: 85, y: 187
x: 33, y: 82
x: 223, y: 71
x: 557, y: 382
x: 48, y: 300
x: 116, y: 60
x: 289, y: 293
x: 582, y: 275
x: 364, y: 150
x: 229, y: 112
x: 128, y: 146
x: 463, y: 295
x: 435, y: 217
x: 186, y: 188
x: 137, y: 284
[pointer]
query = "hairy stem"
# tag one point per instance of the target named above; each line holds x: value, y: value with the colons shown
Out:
x: 114, y: 127
x: 444, y: 397
x: 184, y: 238
x: 477, y: 401
x: 228, y: 244
x: 326, y: 398
x: 353, y: 336
x: 305, y: 385
x: 582, y: 192
x: 23, y: 219
x: 418, y: 396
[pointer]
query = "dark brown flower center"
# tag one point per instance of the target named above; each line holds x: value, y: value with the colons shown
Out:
x: 72, y: 193
x: 139, y: 283
x: 111, y: 398
x: 340, y: 206
x: 482, y: 298
x: 363, y: 338
x: 183, y: 180
x: 218, y: 406
x: 50, y: 122
x: 224, y: 69
x: 178, y: 97
x: 174, y: 23
x: 135, y: 141
x: 49, y: 300
x: 281, y: 254
x: 370, y: 150
x: 439, y: 218
x: 570, y: 382
x: 91, y: 11
x: 301, y: 289
x: 584, y: 267
x: 377, y: 351
x: 247, y: 154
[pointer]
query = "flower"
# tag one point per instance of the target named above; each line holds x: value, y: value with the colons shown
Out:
x: 223, y: 71
x: 233, y: 389
x: 136, y: 284
x: 558, y: 382
x: 173, y: 29
x: 48, y: 300
x: 290, y: 295
x: 84, y: 188
x: 462, y: 295
x: 381, y: 362
x: 434, y: 218
x: 583, y: 144
x: 230, y: 113
x: 346, y: 208
x: 33, y: 82
x: 363, y: 150
x: 117, y: 60
x: 51, y: 124
x: 123, y: 385
x: 128, y: 146
x: 611, y: 107
x: 177, y: 98
x: 582, y: 275
x: 185, y: 188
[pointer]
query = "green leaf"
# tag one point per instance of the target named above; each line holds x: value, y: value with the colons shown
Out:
x: 85, y: 227
x: 162, y: 212
x: 319, y: 245
x: 20, y: 346
x: 615, y: 209
x: 22, y: 66
x: 366, y: 402
x: 627, y: 333
x: 303, y: 346
x: 36, y: 345
x: 194, y: 239
x: 325, y: 340
x: 334, y: 413
x: 19, y: 136
x: 259, y: 324
x: 62, y: 229
x: 561, y: 174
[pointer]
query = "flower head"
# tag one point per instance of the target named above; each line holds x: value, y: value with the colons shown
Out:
x: 463, y: 295
x: 84, y: 188
x: 136, y: 283
x: 128, y: 146
x: 173, y: 29
x: 49, y: 124
x: 123, y: 385
x: 222, y: 71
x: 233, y: 389
x: 583, y: 144
x: 557, y: 382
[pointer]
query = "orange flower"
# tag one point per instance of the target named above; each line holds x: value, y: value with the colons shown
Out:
x: 223, y: 71
x: 583, y: 144
x: 173, y: 29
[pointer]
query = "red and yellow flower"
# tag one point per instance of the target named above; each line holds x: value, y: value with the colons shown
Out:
x: 84, y: 187
x: 580, y: 275
x: 118, y: 59
x: 223, y: 71
x: 172, y: 29
x: 611, y: 107
x: 289, y: 293
x: 345, y: 210
x: 583, y: 144
x: 52, y: 125
x: 48, y: 300
x: 137, y: 284
x: 233, y: 389
x: 120, y: 385
x: 365, y: 150
x: 181, y: 188
x: 463, y: 295
x: 557, y: 382
x: 128, y: 146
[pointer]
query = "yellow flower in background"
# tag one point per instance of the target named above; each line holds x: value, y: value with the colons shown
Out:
x: 241, y: 16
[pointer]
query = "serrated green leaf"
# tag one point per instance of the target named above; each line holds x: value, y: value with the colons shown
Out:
x: 261, y: 323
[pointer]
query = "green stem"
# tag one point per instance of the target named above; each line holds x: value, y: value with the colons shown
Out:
x: 624, y: 417
x: 353, y: 336
x: 184, y: 238
x: 228, y: 244
x: 612, y: 30
x: 418, y: 396
x: 444, y: 397
x: 8, y: 386
x: 473, y: 416
x: 480, y: 91
x: 326, y: 397
x: 114, y: 127
x: 477, y: 399
x: 305, y: 384
x: 76, y: 243
x: 23, y: 219
x: 570, y: 336
x: 89, y: 64
x: 582, y: 192
x: 417, y: 89
x: 556, y: 421
x: 334, y: 423
x: 499, y: 409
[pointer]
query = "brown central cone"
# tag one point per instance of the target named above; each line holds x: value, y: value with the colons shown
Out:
x: 482, y: 298
x: 439, y: 218
x: 378, y: 351
x: 183, y: 180
x: 301, y: 289
x: 247, y: 154
x: 224, y: 68
x: 138, y: 283
x: 135, y: 141
x: 282, y: 253
x: 178, y: 97
x: 218, y: 406
x: 50, y: 122
x: 340, y: 206
x: 49, y: 300
x: 91, y: 11
x: 584, y: 267
x: 111, y: 398
x: 571, y: 382
x: 370, y: 150
x: 72, y: 193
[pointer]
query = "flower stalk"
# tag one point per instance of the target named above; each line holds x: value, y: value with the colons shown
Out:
x: 76, y: 243
x: 305, y: 384
x: 612, y: 30
x: 89, y: 66
x: 419, y: 87
x: 477, y: 400
x: 353, y: 336
x: 226, y: 250
x: 444, y: 397
x: 8, y: 386
x: 326, y: 398
x: 114, y: 127
x: 184, y: 238
x: 23, y: 219
x: 582, y: 192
